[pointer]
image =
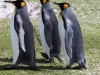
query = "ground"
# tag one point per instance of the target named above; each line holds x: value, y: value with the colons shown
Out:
x: 88, y: 15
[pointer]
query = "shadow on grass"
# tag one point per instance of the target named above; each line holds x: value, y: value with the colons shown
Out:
x: 57, y: 68
x: 2, y: 68
x: 10, y: 60
x: 39, y: 67
x: 37, y: 60
x: 43, y: 61
x: 5, y: 60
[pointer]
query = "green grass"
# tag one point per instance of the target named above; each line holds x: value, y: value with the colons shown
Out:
x: 88, y: 14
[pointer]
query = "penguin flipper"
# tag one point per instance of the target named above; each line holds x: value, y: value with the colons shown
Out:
x: 48, y: 33
x: 48, y: 37
x: 68, y: 41
x: 21, y: 33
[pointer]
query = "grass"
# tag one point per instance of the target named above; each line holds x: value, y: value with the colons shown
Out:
x: 87, y: 12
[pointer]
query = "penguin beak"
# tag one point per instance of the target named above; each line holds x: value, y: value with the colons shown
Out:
x: 57, y: 3
x: 10, y: 2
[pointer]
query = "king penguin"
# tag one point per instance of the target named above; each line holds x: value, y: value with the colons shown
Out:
x: 22, y: 37
x: 48, y: 26
x: 71, y: 37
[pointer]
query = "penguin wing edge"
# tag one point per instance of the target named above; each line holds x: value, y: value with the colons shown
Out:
x: 21, y: 33
x: 68, y: 41
x: 48, y: 32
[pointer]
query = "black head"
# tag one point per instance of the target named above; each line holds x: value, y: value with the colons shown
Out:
x: 62, y: 6
x: 18, y: 4
x: 44, y: 1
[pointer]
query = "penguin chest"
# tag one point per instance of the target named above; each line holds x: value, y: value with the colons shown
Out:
x: 14, y: 39
x: 41, y: 28
x: 62, y: 32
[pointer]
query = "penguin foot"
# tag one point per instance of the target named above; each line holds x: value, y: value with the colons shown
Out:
x: 82, y: 65
x: 9, y: 67
x: 33, y: 68
x: 68, y: 67
x: 77, y: 68
x: 44, y: 55
x: 51, y: 60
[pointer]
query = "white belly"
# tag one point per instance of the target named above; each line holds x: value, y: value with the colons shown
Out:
x: 62, y: 38
x: 41, y: 28
x: 14, y: 39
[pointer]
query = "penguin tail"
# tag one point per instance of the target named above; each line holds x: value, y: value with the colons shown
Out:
x: 58, y: 57
x: 44, y: 55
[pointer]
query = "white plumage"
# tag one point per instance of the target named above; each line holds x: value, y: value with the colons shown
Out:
x: 62, y: 37
x: 21, y: 33
x: 14, y: 39
x: 41, y: 28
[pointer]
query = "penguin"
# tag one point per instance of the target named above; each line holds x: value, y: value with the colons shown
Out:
x: 48, y: 27
x: 22, y: 37
x: 71, y: 37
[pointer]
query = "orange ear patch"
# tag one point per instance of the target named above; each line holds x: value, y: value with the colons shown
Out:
x: 44, y: 1
x: 65, y: 6
x: 22, y: 4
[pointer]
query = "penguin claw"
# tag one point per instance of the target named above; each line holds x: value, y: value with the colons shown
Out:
x: 9, y: 67
x: 44, y: 55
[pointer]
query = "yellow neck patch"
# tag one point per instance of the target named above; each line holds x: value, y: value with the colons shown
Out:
x: 22, y: 4
x: 65, y: 6
x: 60, y: 15
x: 44, y: 1
x: 14, y: 10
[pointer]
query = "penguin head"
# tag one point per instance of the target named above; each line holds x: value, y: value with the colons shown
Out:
x: 62, y: 6
x: 18, y: 4
x: 44, y: 1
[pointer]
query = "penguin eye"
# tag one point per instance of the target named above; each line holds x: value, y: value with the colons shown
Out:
x: 44, y: 1
x: 65, y: 6
x: 22, y: 4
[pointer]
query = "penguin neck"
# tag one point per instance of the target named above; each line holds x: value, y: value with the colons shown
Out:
x: 22, y: 10
x: 46, y: 5
x: 64, y: 12
x: 68, y: 12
